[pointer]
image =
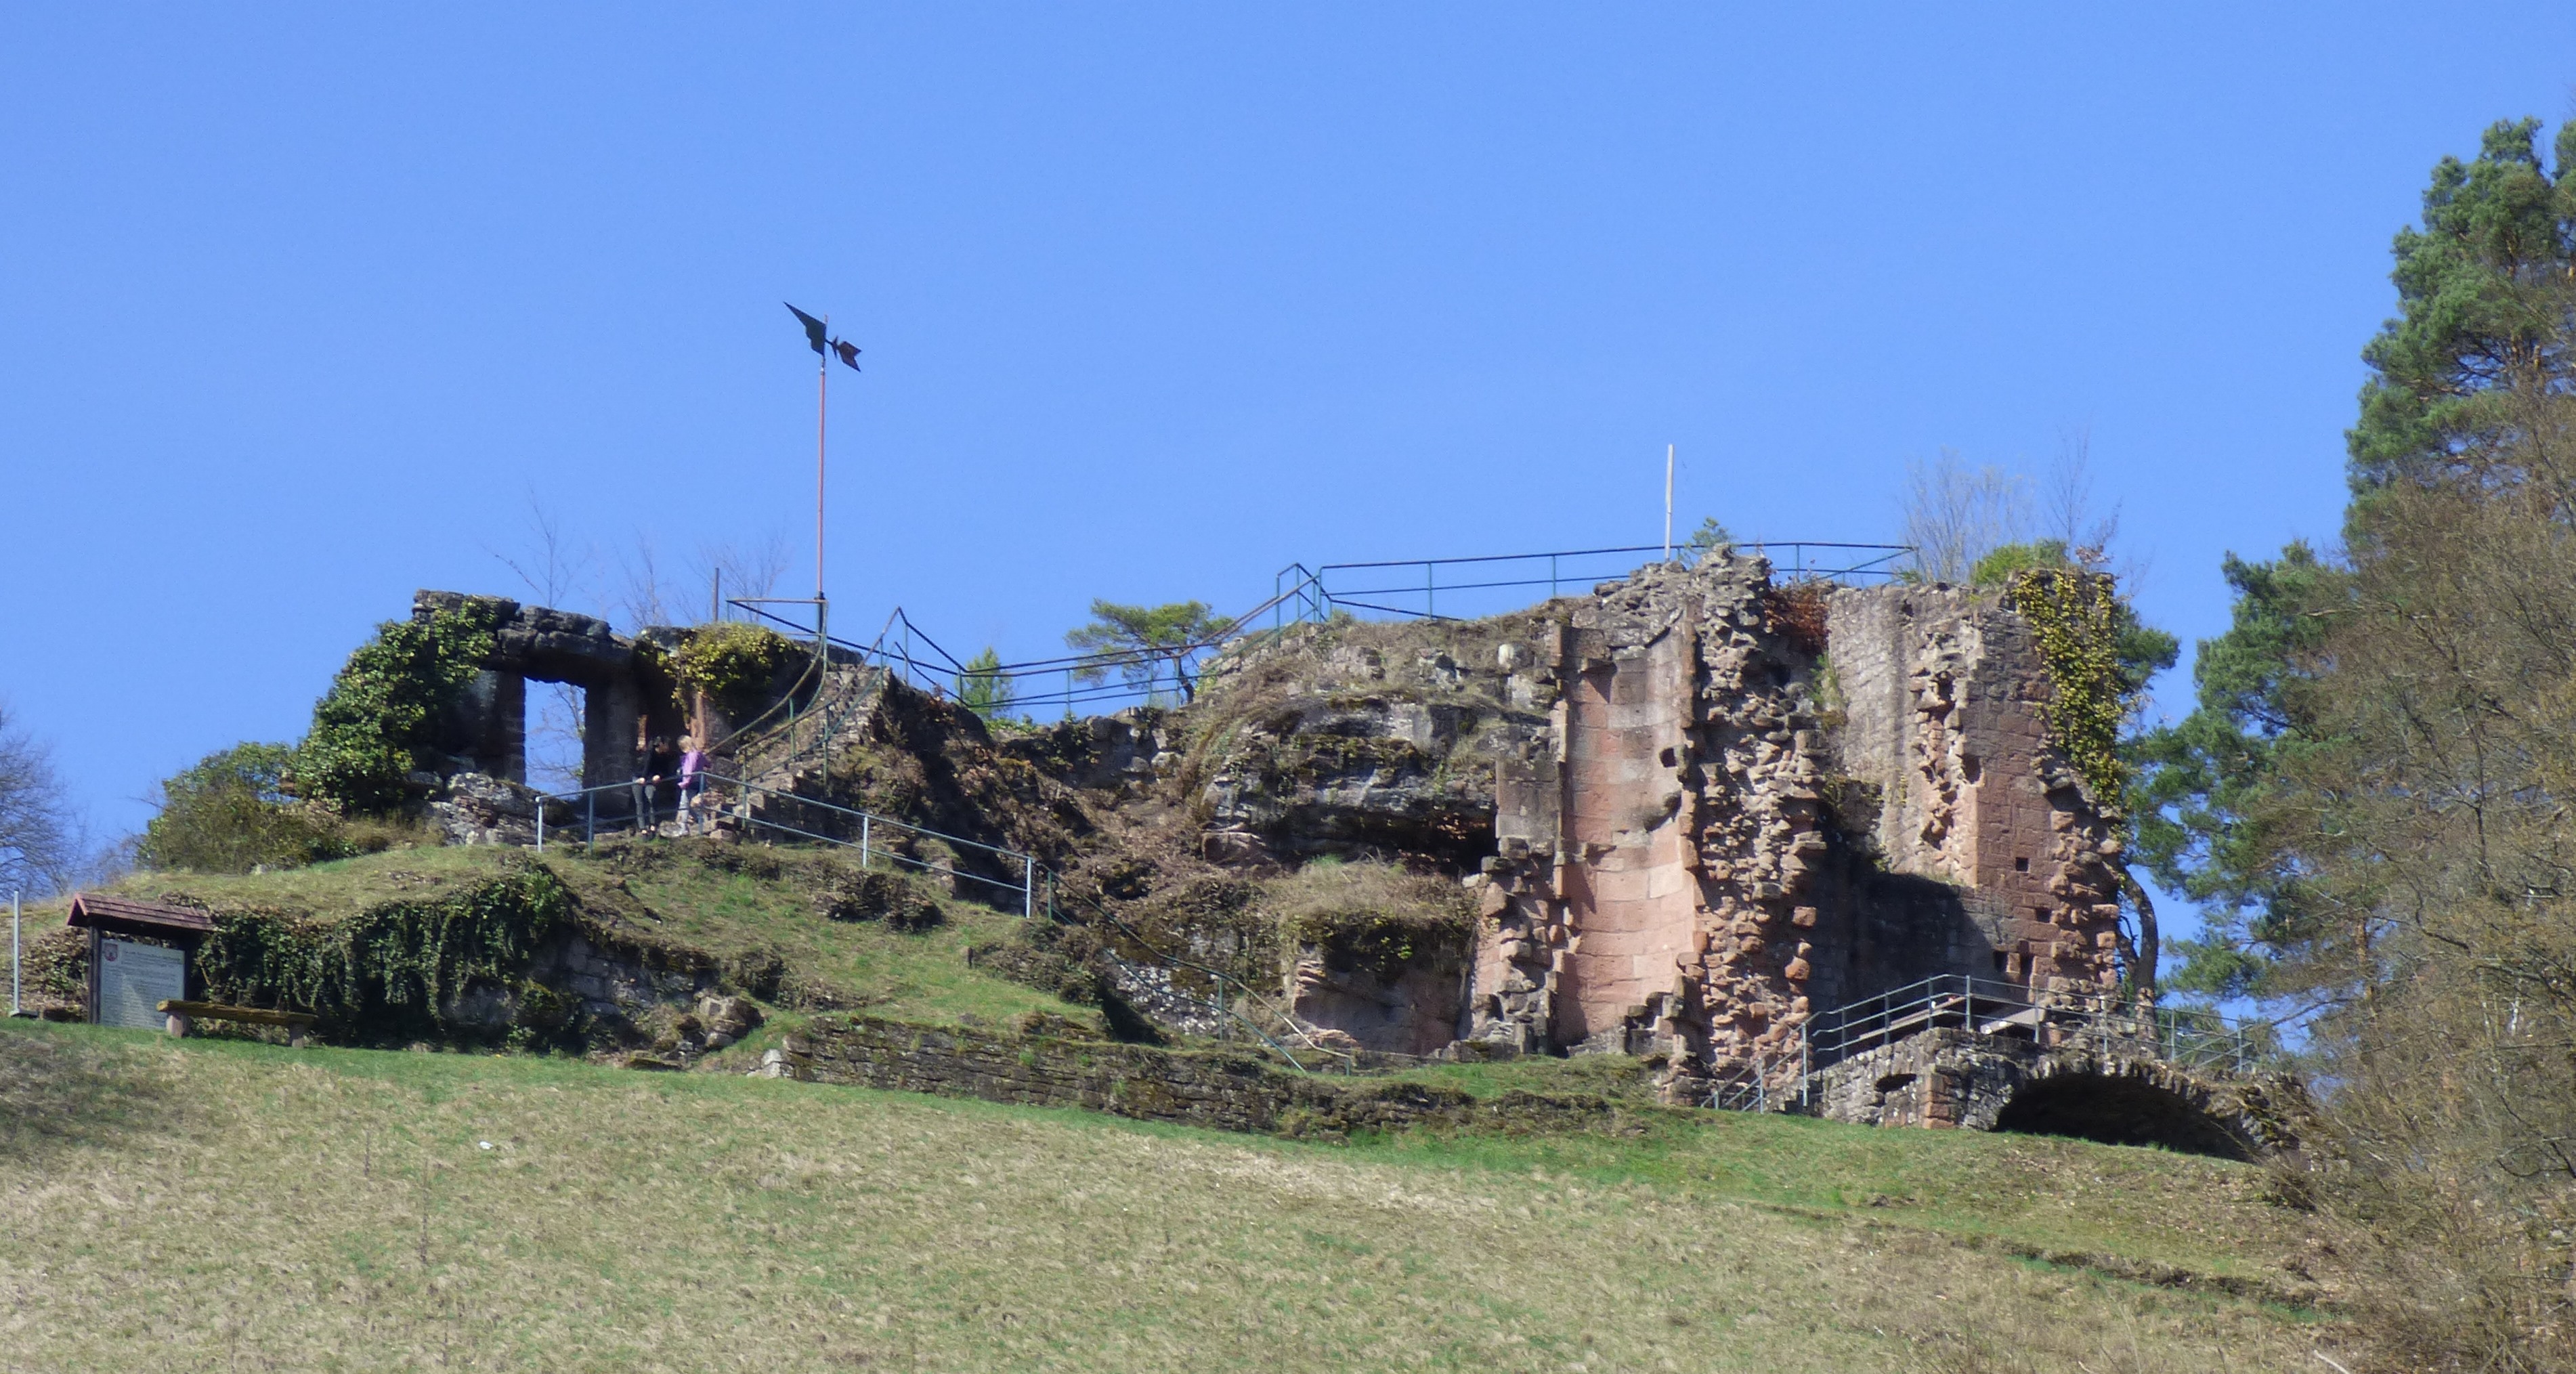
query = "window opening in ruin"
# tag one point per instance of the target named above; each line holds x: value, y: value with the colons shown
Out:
x: 553, y: 734
x: 1969, y: 768
x: 1670, y: 760
x: 2021, y: 865
x: 2000, y: 959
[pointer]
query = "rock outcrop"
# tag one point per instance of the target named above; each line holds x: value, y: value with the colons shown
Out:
x: 1678, y: 817
x: 1692, y: 809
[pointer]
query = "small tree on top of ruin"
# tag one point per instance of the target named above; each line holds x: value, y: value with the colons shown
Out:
x: 1140, y: 642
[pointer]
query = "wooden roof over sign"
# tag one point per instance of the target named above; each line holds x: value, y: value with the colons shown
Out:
x: 152, y: 918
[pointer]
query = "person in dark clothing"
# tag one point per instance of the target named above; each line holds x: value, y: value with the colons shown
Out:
x: 661, y: 777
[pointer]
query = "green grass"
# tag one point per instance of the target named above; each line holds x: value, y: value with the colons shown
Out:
x: 906, y: 976
x: 2205, y: 1216
x: 218, y: 1206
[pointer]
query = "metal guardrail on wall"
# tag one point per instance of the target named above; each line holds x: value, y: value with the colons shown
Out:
x: 2188, y: 1038
x: 1491, y: 584
x: 1413, y: 589
x: 1035, y: 884
x: 1234, y: 1000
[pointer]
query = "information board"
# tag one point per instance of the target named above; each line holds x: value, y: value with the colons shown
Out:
x: 135, y: 978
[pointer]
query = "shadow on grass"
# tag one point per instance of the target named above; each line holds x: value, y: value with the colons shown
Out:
x: 62, y: 1090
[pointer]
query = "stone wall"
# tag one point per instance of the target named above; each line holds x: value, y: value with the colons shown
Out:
x: 624, y: 695
x: 1689, y: 825
x: 1227, y: 1092
x: 2106, y: 1090
x: 1412, y: 1009
x: 1943, y: 703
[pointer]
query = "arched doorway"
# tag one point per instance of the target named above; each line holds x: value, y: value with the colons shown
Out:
x: 2120, y: 1111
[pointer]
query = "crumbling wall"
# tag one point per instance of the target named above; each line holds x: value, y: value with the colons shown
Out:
x: 1227, y: 1092
x: 480, y: 794
x: 1655, y: 860
x: 1690, y: 810
x: 1943, y: 702
x: 1701, y: 808
x: 1408, y: 1007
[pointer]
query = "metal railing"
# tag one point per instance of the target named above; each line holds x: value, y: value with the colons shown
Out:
x: 1486, y: 584
x: 1034, y: 884
x: 1767, y: 1080
x: 2187, y: 1037
x: 636, y: 816
x: 874, y: 832
x: 1416, y: 585
x: 1233, y: 998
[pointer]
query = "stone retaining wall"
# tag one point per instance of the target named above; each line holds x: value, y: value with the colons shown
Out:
x: 1227, y: 1092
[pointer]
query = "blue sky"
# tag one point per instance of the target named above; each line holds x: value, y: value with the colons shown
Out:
x: 301, y: 309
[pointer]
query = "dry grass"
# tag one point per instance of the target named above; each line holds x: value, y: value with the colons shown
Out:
x: 228, y: 1206
x: 1327, y: 895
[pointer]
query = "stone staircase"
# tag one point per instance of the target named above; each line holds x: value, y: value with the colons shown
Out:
x: 789, y: 758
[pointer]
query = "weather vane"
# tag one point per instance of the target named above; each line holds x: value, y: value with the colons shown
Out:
x: 818, y: 334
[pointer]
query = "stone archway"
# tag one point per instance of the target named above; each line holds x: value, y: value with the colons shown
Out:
x: 1954, y: 1078
x: 625, y: 697
x: 2122, y: 1109
x: 2124, y: 1099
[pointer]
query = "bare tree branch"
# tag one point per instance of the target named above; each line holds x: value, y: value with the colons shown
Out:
x: 39, y: 842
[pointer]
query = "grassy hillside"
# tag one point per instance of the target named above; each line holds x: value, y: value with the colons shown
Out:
x: 223, y: 1206
x: 726, y: 902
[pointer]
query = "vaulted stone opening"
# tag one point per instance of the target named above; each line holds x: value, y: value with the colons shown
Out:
x: 2119, y: 1111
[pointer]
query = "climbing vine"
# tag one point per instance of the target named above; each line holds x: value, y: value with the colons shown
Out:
x: 398, y: 965
x: 2077, y: 619
x: 732, y: 662
x: 382, y: 712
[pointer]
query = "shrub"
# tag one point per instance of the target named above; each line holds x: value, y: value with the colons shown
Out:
x: 1797, y: 612
x: 380, y: 719
x: 982, y: 689
x: 1999, y: 567
x: 230, y: 812
x: 732, y: 662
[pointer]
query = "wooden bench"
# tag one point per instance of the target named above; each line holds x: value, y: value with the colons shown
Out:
x: 183, y: 1014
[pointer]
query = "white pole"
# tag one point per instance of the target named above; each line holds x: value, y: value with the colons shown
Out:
x: 1668, y: 503
x: 13, y: 954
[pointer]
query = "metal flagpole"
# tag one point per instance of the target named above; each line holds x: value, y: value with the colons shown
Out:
x: 1668, y: 503
x: 13, y: 954
x: 822, y: 391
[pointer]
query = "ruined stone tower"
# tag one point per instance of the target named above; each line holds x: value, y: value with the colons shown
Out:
x: 1699, y: 808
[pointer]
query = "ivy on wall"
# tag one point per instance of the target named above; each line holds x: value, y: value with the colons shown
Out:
x: 732, y: 662
x: 2077, y: 619
x: 382, y: 712
x: 394, y: 968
